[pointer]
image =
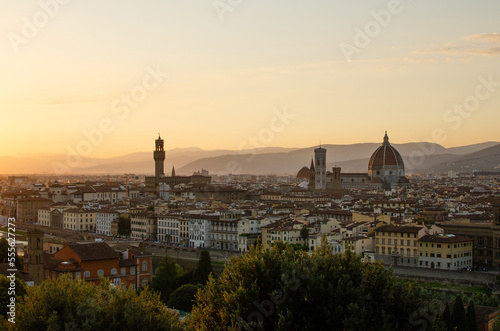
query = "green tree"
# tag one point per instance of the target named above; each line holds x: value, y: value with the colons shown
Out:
x: 438, y: 325
x: 66, y: 304
x: 166, y: 278
x: 446, y: 317
x: 5, y: 288
x: 124, y: 226
x: 299, y: 247
x: 186, y: 276
x: 304, y: 234
x: 204, y: 269
x: 286, y: 289
x: 458, y: 319
x: 183, y: 298
x: 470, y: 315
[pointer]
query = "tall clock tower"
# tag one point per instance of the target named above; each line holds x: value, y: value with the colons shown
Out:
x: 159, y: 157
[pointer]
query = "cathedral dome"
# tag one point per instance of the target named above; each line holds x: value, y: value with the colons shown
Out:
x: 384, y: 156
x: 303, y: 173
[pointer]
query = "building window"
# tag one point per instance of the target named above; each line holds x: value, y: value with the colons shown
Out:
x: 132, y: 270
x: 123, y: 271
x: 144, y: 282
x: 86, y: 274
x: 78, y: 274
x: 114, y: 271
x: 100, y: 272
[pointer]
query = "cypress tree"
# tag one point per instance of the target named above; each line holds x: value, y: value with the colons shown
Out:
x: 458, y: 319
x: 446, y: 317
x: 204, y: 269
x: 470, y: 315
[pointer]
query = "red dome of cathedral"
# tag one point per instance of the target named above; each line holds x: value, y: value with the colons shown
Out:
x: 303, y: 173
x: 385, y: 155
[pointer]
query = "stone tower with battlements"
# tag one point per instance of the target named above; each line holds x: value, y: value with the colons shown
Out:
x: 159, y: 157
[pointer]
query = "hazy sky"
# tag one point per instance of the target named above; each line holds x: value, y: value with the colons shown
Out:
x: 338, y: 72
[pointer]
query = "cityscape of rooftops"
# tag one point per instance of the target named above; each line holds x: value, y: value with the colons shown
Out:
x: 249, y: 165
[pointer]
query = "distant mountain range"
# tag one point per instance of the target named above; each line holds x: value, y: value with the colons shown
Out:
x: 419, y: 158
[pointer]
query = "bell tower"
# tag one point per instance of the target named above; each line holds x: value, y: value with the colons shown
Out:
x: 159, y: 157
x: 320, y: 164
x: 33, y: 263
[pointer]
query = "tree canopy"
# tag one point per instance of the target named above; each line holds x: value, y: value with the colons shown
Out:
x: 124, y: 226
x: 458, y: 320
x: 20, y: 291
x: 203, y: 270
x: 66, y: 304
x: 304, y: 234
x: 183, y: 298
x: 286, y: 289
x: 166, y: 278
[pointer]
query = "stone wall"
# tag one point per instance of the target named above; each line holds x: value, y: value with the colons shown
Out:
x: 464, y: 277
x: 186, y: 253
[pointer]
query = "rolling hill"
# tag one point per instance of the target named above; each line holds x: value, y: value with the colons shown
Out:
x: 269, y: 160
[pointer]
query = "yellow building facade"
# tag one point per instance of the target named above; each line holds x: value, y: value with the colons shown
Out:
x: 445, y: 251
x: 398, y: 245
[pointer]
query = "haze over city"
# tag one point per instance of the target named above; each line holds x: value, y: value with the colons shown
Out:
x: 212, y: 76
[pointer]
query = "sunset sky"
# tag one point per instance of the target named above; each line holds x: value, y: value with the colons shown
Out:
x: 343, y: 71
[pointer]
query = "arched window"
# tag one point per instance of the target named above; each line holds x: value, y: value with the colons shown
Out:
x: 100, y: 272
x: 114, y: 271
x: 86, y: 274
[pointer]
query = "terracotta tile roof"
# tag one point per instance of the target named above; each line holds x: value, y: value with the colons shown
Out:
x: 94, y: 251
x: 439, y: 238
x: 393, y: 228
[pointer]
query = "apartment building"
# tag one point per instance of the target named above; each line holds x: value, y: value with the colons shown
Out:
x: 398, y: 245
x: 445, y: 251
